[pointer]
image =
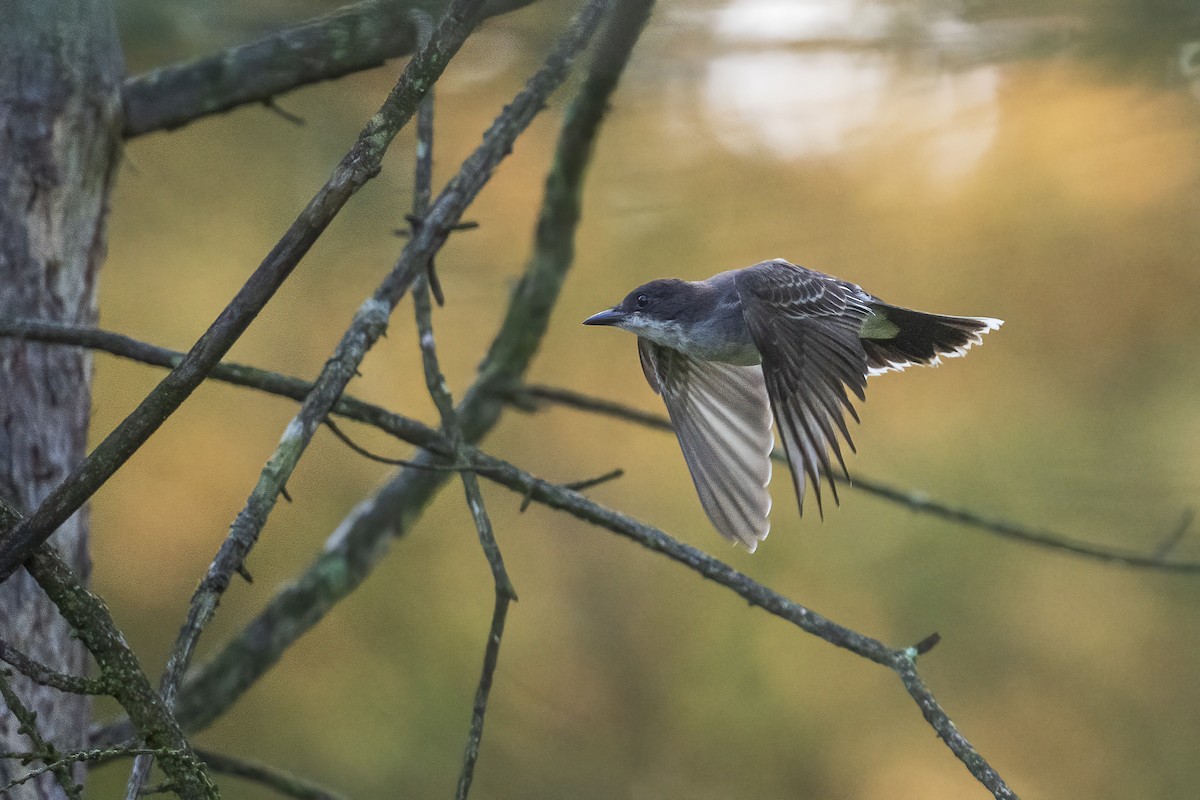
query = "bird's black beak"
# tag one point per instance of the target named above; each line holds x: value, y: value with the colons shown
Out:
x: 613, y: 316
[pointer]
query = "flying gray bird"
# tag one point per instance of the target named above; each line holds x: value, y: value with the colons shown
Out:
x: 776, y: 339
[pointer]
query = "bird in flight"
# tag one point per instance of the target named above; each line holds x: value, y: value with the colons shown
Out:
x: 780, y: 340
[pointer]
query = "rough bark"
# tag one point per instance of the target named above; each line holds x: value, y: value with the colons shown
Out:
x: 60, y: 80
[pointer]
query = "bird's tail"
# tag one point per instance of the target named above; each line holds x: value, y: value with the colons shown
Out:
x: 895, y: 337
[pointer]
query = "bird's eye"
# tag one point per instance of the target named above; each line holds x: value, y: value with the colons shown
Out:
x: 642, y: 301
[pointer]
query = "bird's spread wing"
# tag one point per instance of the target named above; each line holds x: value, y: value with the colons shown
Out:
x: 806, y: 326
x: 723, y: 421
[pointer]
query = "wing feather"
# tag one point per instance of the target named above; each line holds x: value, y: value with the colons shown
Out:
x: 722, y: 419
x: 806, y: 326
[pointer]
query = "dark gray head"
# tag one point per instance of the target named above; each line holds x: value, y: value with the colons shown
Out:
x: 651, y: 304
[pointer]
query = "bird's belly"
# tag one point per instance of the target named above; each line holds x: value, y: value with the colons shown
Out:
x: 731, y: 353
x: 730, y: 346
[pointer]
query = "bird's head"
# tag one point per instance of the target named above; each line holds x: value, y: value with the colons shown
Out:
x: 648, y: 309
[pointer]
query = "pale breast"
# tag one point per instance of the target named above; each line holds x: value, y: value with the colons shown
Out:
x: 723, y: 336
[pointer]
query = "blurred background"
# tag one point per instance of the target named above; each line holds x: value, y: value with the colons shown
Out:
x: 1038, y: 162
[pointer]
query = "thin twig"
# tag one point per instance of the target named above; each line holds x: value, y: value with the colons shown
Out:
x: 424, y: 285
x: 436, y: 383
x: 283, y: 113
x: 272, y: 778
x: 588, y: 483
x: 505, y: 593
x: 925, y: 645
x: 923, y: 503
x: 40, y: 673
x: 423, y: 173
x: 394, y: 462
x: 579, y: 486
x: 42, y: 750
x: 359, y: 165
x: 1176, y: 536
x: 151, y: 720
x: 526, y: 397
x: 464, y: 225
x: 531, y: 397
x: 491, y: 655
x: 65, y: 760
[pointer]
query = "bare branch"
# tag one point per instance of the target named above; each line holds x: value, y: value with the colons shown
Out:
x: 361, y: 540
x: 459, y: 20
x: 277, y: 630
x: 919, y: 501
x: 122, y: 672
x: 44, y: 750
x: 491, y: 655
x: 902, y: 662
x: 439, y: 392
x: 40, y: 673
x: 369, y: 324
x: 579, y: 486
x: 119, y: 667
x: 357, y: 37
x: 273, y: 630
x: 345, y: 439
x: 358, y: 166
x: 65, y: 760
x: 528, y: 398
x: 271, y: 777
x: 445, y: 405
x: 366, y: 328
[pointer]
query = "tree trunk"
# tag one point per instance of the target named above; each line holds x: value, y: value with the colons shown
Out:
x: 60, y: 79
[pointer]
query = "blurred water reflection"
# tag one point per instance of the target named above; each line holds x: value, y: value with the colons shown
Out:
x: 768, y: 100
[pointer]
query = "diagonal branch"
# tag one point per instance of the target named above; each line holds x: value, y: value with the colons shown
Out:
x: 505, y: 593
x: 64, y: 760
x: 359, y: 543
x: 353, y: 38
x: 435, y: 381
x: 528, y: 397
x: 270, y: 634
x: 445, y: 405
x: 46, y: 752
x: 491, y: 656
x: 151, y: 720
x: 451, y: 32
x: 273, y: 778
x: 40, y: 673
x: 367, y: 326
x: 902, y: 661
x: 275, y: 631
x: 359, y: 165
